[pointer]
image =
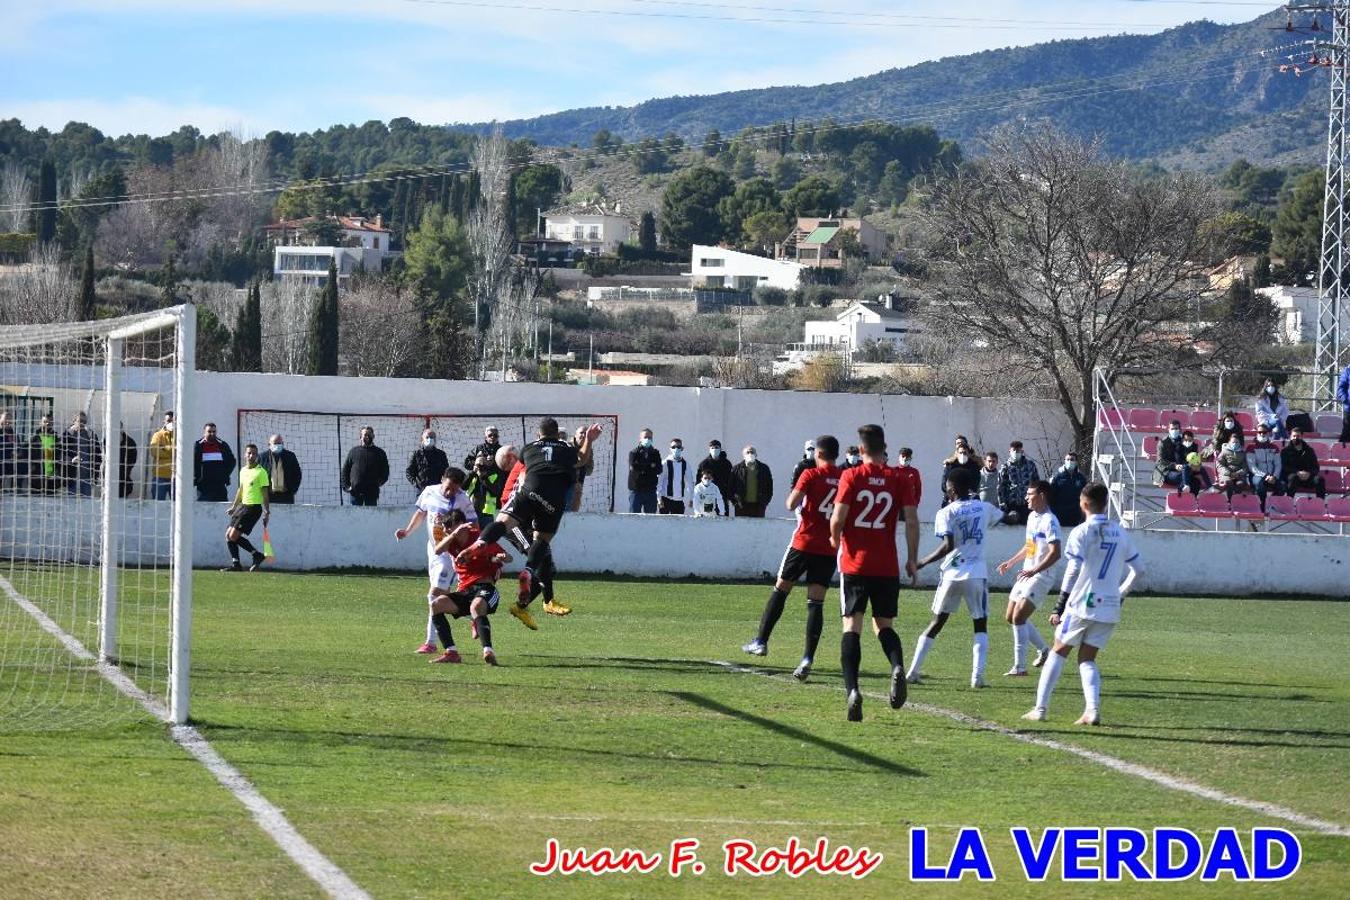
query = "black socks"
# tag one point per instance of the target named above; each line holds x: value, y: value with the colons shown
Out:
x: 442, y: 625
x: 890, y: 643
x: 850, y: 657
x: 772, y: 611
x: 484, y: 631
x: 815, y: 620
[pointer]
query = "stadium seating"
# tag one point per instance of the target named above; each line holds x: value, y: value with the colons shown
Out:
x: 1212, y: 506
x: 1143, y: 419
x: 1111, y: 418
x: 1335, y: 481
x: 1246, y: 421
x: 1310, y: 509
x: 1166, y: 416
x: 1151, y: 447
x: 1281, y: 509
x: 1336, y: 454
x: 1338, y: 509
x: 1327, y: 424
x: 1202, y: 421
x: 1181, y: 505
x: 1247, y: 507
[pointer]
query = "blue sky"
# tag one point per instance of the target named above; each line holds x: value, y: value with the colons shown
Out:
x: 151, y: 65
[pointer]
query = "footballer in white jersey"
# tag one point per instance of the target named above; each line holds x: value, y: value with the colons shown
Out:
x: 1103, y: 568
x: 962, y: 525
x: 1041, y: 550
x: 432, y: 505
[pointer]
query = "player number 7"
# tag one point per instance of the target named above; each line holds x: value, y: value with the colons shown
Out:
x: 1110, y: 548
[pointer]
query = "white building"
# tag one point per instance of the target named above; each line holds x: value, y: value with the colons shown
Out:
x: 593, y: 229
x: 296, y: 256
x: 848, y: 332
x: 1297, y: 306
x: 719, y: 267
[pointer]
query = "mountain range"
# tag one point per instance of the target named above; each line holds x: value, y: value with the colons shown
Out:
x: 1198, y: 95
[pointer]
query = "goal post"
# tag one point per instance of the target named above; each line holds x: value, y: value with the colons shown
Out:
x: 96, y: 521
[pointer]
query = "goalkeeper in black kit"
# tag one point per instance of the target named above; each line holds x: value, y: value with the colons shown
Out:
x: 550, y: 472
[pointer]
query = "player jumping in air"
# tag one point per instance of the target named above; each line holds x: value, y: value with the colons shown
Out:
x: 476, y: 594
x: 1099, y: 552
x: 810, y: 554
x: 550, y: 470
x: 962, y: 525
x: 1037, y: 556
x: 432, y: 504
x: 509, y: 461
x: 863, y: 529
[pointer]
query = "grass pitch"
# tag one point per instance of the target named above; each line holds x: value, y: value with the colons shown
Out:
x: 614, y: 728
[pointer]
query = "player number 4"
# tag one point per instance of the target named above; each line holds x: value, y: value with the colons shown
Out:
x: 827, y: 505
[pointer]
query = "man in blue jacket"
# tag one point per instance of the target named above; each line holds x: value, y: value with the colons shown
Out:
x: 1343, y: 397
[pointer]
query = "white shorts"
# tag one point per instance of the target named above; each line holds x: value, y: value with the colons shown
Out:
x: 1032, y: 589
x: 975, y: 592
x: 441, y: 572
x: 1075, y: 630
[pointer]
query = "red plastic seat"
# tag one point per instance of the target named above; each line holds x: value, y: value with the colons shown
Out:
x: 1281, y: 509
x: 1202, y: 421
x: 1310, y: 509
x: 1110, y: 418
x: 1338, y: 509
x: 1181, y: 505
x: 1319, y: 447
x: 1142, y: 418
x: 1336, y: 454
x: 1246, y: 421
x: 1335, y: 481
x: 1151, y: 447
x: 1247, y: 506
x: 1165, y: 417
x: 1212, y: 506
x: 1327, y: 424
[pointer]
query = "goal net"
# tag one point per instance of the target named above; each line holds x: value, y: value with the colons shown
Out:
x: 95, y: 535
x: 321, y: 442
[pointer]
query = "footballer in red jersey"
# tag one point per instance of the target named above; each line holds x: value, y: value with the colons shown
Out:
x: 863, y: 527
x: 809, y: 556
x: 476, y: 592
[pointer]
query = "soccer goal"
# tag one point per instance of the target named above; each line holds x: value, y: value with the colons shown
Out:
x: 321, y: 442
x: 95, y: 521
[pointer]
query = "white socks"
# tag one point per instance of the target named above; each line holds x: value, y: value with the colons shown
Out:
x: 431, y: 630
x: 1020, y: 647
x: 921, y: 648
x: 1092, y: 685
x: 979, y: 654
x: 1049, y: 675
x: 1034, y: 636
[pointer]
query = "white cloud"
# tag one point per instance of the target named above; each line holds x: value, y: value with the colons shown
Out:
x: 129, y: 115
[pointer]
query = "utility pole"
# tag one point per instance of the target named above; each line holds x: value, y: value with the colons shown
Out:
x: 550, y: 350
x: 1329, y: 50
x: 590, y: 366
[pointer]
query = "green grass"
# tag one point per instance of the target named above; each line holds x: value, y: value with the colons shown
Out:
x: 611, y: 728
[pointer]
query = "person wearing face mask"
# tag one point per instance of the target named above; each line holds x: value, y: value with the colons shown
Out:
x: 1065, y: 487
x: 365, y: 470
x: 962, y: 458
x: 161, y: 460
x: 1263, y: 457
x: 852, y: 457
x: 1272, y: 409
x: 1235, y: 475
x: 212, y: 465
x: 808, y: 461
x: 1014, y: 478
x: 676, y: 482
x: 751, y: 485
x: 1170, y: 468
x: 644, y: 471
x: 429, y: 462
x: 708, y: 500
x: 1301, y: 469
x: 283, y: 470
x: 719, y: 467
x: 1224, y: 429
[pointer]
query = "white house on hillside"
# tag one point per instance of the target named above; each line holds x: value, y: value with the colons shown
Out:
x: 296, y: 256
x: 719, y: 267
x: 1297, y: 307
x: 593, y: 229
x: 848, y: 332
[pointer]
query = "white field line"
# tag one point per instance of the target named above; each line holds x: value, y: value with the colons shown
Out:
x: 270, y: 819
x: 1113, y: 763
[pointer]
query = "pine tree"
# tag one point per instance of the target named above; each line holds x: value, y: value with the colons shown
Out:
x: 647, y: 233
x: 44, y: 220
x: 323, y: 328
x: 246, y: 351
x: 84, y: 310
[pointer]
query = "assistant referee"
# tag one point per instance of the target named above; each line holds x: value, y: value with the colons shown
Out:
x: 251, y: 502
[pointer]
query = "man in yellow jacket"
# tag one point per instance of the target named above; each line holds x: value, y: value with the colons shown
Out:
x: 161, y: 460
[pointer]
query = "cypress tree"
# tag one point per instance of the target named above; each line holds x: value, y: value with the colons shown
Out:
x: 88, y: 300
x: 247, y: 343
x: 647, y: 234
x: 44, y: 219
x: 323, y: 328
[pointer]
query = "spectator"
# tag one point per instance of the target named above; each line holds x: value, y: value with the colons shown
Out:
x: 490, y: 446
x: 708, y: 500
x: 484, y: 488
x: 9, y: 454
x: 212, y: 466
x: 1065, y: 487
x: 365, y: 471
x: 1235, y: 475
x: 1263, y: 457
x: 1225, y: 428
x: 81, y: 456
x: 644, y: 470
x: 1301, y: 471
x: 962, y: 458
x: 808, y: 461
x: 1343, y: 398
x: 1170, y: 468
x: 852, y: 457
x: 906, y: 460
x: 988, y: 483
x: 717, y: 465
x: 1014, y: 478
x: 428, y: 462
x: 126, y: 459
x: 751, y: 485
x: 283, y: 470
x: 161, y: 459
x: 574, y: 497
x: 1196, y: 477
x: 1272, y: 410
x: 676, y: 481
x: 44, y: 469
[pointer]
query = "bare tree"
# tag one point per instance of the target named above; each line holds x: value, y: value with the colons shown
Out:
x: 42, y: 290
x: 236, y: 167
x: 286, y: 307
x: 380, y: 333
x: 489, y: 234
x: 16, y: 193
x: 1046, y: 252
x: 133, y: 237
x: 222, y: 298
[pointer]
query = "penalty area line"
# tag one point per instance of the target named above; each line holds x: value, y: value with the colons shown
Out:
x: 1114, y: 763
x: 320, y: 869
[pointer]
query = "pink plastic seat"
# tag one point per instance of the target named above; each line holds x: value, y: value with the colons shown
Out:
x: 1281, y: 509
x: 1202, y: 421
x: 1327, y: 424
x: 1336, y: 454
x: 1142, y: 418
x: 1338, y: 509
x: 1247, y: 507
x: 1310, y: 509
x: 1151, y: 447
x: 1246, y: 421
x: 1110, y: 418
x: 1181, y: 505
x: 1212, y: 506
x: 1335, y: 481
x: 1165, y: 417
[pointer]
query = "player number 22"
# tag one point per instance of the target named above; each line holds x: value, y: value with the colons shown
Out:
x: 880, y: 503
